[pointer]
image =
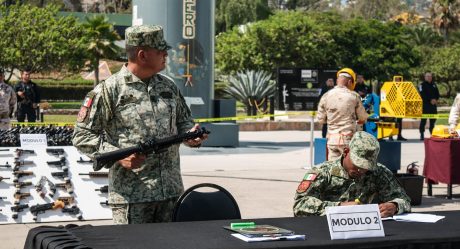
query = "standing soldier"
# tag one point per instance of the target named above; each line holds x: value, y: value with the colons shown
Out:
x: 430, y: 95
x: 134, y: 104
x: 7, y: 102
x: 341, y: 108
x: 28, y: 95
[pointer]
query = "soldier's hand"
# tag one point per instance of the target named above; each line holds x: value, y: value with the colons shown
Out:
x: 348, y: 203
x: 434, y: 101
x: 387, y: 209
x: 133, y: 161
x: 197, y: 141
x: 21, y: 94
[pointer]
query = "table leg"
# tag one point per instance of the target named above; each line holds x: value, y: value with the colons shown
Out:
x: 449, y: 191
x: 430, y: 188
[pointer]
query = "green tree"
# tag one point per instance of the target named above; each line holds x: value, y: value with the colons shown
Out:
x: 375, y: 9
x: 423, y: 35
x: 445, y: 16
x: 287, y: 39
x: 100, y: 37
x: 39, y: 39
x: 231, y: 13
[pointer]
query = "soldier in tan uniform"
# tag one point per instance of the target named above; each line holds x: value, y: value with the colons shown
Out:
x: 7, y: 102
x: 342, y: 110
x: 454, y: 115
x: 133, y: 105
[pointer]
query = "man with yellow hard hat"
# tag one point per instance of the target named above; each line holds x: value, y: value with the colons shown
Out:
x: 342, y: 110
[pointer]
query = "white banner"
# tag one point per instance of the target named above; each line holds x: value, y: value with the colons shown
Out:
x: 358, y: 221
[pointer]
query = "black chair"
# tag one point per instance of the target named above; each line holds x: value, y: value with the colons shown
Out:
x: 194, y: 205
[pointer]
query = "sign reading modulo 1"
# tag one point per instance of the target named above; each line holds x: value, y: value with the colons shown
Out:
x: 362, y: 221
x: 189, y: 17
x: 30, y: 140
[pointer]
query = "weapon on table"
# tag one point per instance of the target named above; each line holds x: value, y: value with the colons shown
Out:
x: 66, y: 199
x: 18, y: 208
x: 19, y: 152
x: 18, y: 163
x: 3, y: 178
x: 65, y: 185
x: 4, y: 149
x: 20, y: 173
x: 61, y: 174
x: 39, y: 186
x: 60, y: 163
x: 103, y: 189
x: 84, y: 161
x: 41, y: 208
x: 104, y: 203
x: 74, y: 210
x: 56, y: 152
x: 5, y: 165
x: 95, y: 174
x: 18, y: 195
x: 20, y: 185
x: 151, y: 145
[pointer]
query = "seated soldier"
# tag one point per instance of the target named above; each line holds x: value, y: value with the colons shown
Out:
x: 355, y: 178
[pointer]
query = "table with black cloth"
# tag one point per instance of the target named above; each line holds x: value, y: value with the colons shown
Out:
x: 444, y: 234
x: 442, y: 163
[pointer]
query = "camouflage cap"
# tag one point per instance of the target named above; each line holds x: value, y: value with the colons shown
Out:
x: 364, y: 150
x: 146, y: 35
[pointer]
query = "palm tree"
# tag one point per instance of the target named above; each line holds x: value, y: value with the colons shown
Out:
x: 101, y: 39
x: 252, y: 88
x: 444, y: 16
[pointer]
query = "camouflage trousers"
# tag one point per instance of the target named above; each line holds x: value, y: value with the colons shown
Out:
x: 4, y: 121
x: 334, y: 152
x: 138, y: 213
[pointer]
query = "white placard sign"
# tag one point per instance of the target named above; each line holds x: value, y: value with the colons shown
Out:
x: 359, y: 221
x: 32, y: 140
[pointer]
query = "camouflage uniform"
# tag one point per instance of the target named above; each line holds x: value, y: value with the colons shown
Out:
x: 454, y: 113
x: 7, y: 104
x: 329, y: 183
x: 123, y: 111
x: 340, y: 108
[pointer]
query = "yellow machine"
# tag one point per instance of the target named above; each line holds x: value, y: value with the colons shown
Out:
x: 398, y: 99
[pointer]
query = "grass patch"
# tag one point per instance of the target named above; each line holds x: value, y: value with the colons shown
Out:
x: 60, y: 118
x: 65, y: 105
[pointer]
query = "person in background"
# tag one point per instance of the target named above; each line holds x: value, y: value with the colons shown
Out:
x: 430, y: 96
x: 454, y: 115
x: 28, y: 97
x: 355, y: 178
x: 361, y: 88
x: 7, y: 102
x: 329, y: 84
x: 342, y: 110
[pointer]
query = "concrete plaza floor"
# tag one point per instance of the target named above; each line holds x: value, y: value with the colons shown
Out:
x: 262, y: 174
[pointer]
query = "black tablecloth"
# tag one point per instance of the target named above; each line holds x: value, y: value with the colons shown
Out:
x: 444, y: 234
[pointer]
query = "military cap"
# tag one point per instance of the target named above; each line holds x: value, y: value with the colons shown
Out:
x: 146, y: 36
x: 364, y: 150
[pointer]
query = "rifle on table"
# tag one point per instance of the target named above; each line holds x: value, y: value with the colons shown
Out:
x: 20, y: 173
x: 56, y: 152
x: 4, y: 149
x: 18, y: 195
x: 95, y: 174
x: 61, y: 174
x: 60, y: 163
x: 3, y: 178
x: 19, y: 152
x: 20, y: 185
x: 65, y: 185
x: 103, y: 189
x: 6, y: 165
x: 74, y: 210
x: 152, y: 145
x: 41, y: 208
x: 84, y: 161
x: 18, y: 163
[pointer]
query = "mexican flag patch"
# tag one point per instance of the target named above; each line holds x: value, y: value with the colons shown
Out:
x: 310, y: 177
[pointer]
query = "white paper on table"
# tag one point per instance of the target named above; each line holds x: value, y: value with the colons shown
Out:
x: 268, y: 238
x: 416, y: 217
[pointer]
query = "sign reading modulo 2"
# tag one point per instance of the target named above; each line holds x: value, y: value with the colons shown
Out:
x: 31, y: 140
x: 362, y: 221
x: 189, y: 17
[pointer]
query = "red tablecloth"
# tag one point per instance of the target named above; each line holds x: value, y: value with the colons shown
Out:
x: 442, y: 160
